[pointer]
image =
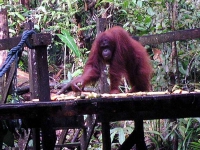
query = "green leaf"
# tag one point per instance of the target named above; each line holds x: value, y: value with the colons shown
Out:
x: 44, y: 18
x: 19, y: 16
x: 140, y: 28
x: 126, y: 3
x: 113, y: 135
x: 43, y: 9
x: 134, y: 1
x: 182, y: 131
x: 77, y: 73
x: 150, y: 11
x: 195, y: 145
x: 69, y: 41
x: 69, y: 76
x: 182, y: 70
x: 139, y: 3
x: 121, y: 136
x: 69, y: 5
x: 147, y: 19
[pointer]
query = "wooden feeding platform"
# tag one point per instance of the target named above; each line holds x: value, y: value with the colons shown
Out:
x: 62, y: 113
x: 110, y: 108
x: 138, y: 107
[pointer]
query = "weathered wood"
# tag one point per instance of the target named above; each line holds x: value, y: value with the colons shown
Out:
x: 82, y: 139
x: 4, y: 30
x: 88, y: 130
x: 139, y: 128
x: 106, y: 135
x: 4, y: 33
x: 36, y: 138
x: 33, y: 81
x: 9, y: 82
x: 61, y: 139
x: 136, y: 137
x: 107, y: 109
x: 9, y: 43
x: 68, y: 122
x: 45, y: 38
x: 33, y: 78
x: 101, y: 25
x: 103, y: 86
x: 113, y: 109
x: 42, y: 73
x: 170, y: 37
x: 48, y: 133
x: 35, y: 40
x: 129, y: 142
x: 41, y: 39
x: 69, y: 145
x: 23, y: 140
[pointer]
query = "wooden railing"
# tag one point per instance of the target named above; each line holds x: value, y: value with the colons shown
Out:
x: 50, y: 115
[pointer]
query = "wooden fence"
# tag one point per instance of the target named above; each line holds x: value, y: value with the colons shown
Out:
x: 50, y: 115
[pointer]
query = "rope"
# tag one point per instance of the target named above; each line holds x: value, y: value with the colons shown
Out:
x: 15, y: 51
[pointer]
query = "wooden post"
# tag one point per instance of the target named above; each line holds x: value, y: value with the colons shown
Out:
x: 139, y: 128
x: 33, y: 80
x: 32, y: 65
x: 3, y: 54
x: 90, y: 123
x: 106, y: 135
x: 101, y: 25
x: 136, y: 137
x: 103, y: 84
x: 42, y: 73
x: 39, y: 87
x: 48, y: 133
x: 104, y: 88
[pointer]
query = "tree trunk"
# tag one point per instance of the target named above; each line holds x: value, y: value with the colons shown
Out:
x: 25, y: 3
x: 3, y: 35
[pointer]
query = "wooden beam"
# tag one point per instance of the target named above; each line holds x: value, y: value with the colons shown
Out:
x: 8, y: 82
x: 170, y: 37
x: 45, y: 39
x: 36, y: 40
x: 112, y: 109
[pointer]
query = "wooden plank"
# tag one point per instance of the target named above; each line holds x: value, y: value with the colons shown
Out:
x: 170, y: 37
x: 8, y: 82
x: 136, y: 137
x: 103, y: 86
x: 4, y: 33
x: 41, y: 39
x: 106, y: 135
x: 61, y: 139
x: 9, y: 43
x: 36, y: 40
x: 33, y: 80
x: 48, y: 133
x: 45, y: 39
x: 42, y: 73
x: 68, y: 145
x: 23, y: 141
x: 90, y: 123
x: 148, y: 107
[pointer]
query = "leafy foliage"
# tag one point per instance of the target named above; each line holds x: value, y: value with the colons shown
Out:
x: 69, y: 41
x: 139, y: 17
